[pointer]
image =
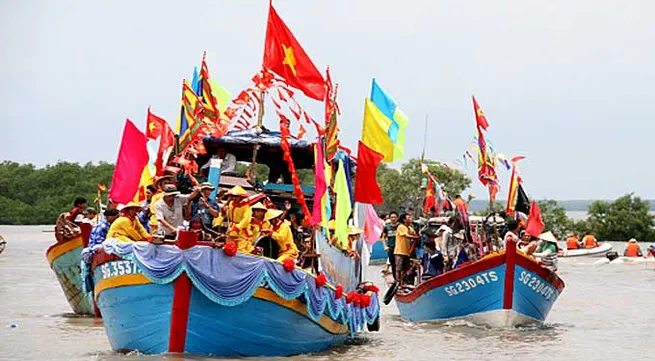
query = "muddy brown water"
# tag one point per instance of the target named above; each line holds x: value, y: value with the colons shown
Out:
x: 605, y: 313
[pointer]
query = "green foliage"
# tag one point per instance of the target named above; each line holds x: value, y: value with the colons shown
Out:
x: 622, y: 219
x: 37, y: 196
x: 554, y: 217
x: 403, y: 188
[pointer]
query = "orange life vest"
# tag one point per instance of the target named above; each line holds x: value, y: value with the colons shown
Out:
x: 572, y: 243
x: 589, y: 241
x: 632, y: 250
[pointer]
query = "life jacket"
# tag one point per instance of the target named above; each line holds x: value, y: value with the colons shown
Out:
x: 589, y: 241
x: 572, y: 243
x: 632, y: 250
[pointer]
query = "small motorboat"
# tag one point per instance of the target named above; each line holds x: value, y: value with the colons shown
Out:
x: 599, y: 251
x: 193, y: 297
x: 614, y: 259
x: 503, y: 289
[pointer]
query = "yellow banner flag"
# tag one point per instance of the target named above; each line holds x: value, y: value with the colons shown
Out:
x: 146, y: 180
x: 375, y: 131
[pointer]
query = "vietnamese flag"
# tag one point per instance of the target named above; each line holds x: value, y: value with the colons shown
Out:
x: 132, y: 158
x: 535, y: 223
x: 157, y: 127
x: 367, y: 189
x: 284, y: 56
x: 480, y: 119
x: 154, y: 125
x: 430, y: 198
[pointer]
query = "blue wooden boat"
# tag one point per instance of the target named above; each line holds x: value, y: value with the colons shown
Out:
x: 65, y: 258
x: 504, y: 289
x: 194, y: 298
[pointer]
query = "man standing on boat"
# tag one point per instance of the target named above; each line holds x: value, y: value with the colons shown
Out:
x: 389, y: 239
x: 160, y: 183
x: 404, y: 236
x: 169, y: 210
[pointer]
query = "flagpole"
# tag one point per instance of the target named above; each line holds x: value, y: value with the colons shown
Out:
x: 260, y: 121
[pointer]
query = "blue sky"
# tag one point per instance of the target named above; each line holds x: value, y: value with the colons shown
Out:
x: 569, y: 84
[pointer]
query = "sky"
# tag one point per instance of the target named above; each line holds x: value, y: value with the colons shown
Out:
x: 568, y: 84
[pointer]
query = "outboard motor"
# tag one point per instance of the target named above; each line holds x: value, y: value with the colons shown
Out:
x: 612, y: 255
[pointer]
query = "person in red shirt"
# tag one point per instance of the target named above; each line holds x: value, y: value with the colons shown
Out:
x: 78, y: 207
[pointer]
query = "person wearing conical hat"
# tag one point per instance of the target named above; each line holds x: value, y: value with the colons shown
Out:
x: 353, y: 235
x: 548, y: 249
x: 160, y: 183
x: 236, y: 210
x: 249, y: 234
x: 281, y: 234
x: 127, y: 227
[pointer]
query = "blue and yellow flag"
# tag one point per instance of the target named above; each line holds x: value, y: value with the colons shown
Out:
x: 384, y: 125
x: 389, y: 107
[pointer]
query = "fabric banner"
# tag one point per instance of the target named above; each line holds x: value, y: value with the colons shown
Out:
x: 230, y: 281
x: 338, y: 268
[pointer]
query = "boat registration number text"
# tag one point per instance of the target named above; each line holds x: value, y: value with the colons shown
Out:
x: 119, y: 268
x: 470, y: 283
x: 536, y: 284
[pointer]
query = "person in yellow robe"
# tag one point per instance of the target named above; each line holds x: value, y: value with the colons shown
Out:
x: 161, y: 182
x: 250, y: 233
x: 237, y: 211
x: 128, y: 228
x: 281, y: 234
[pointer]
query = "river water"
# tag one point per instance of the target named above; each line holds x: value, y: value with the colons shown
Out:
x: 606, y: 312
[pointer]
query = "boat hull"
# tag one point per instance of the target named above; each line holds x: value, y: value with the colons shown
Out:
x: 141, y: 315
x: 65, y: 259
x: 378, y: 255
x: 497, y: 291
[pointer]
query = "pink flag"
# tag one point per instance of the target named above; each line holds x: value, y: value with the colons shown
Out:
x: 319, y: 183
x: 372, y: 226
x: 132, y: 157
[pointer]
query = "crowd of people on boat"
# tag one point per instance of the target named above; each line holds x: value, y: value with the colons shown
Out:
x: 256, y: 226
x: 416, y: 254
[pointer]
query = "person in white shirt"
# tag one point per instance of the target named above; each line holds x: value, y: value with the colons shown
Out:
x: 229, y: 161
x: 169, y: 209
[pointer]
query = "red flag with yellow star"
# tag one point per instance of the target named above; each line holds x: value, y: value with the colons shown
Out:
x: 480, y: 119
x: 157, y: 127
x: 284, y: 56
x: 430, y: 198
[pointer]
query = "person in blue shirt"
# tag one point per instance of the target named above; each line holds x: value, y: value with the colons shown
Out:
x: 432, y: 260
x: 144, y: 215
x: 203, y: 209
x: 99, y: 232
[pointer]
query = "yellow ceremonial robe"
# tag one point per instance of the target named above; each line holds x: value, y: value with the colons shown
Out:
x: 127, y: 230
x: 283, y: 236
